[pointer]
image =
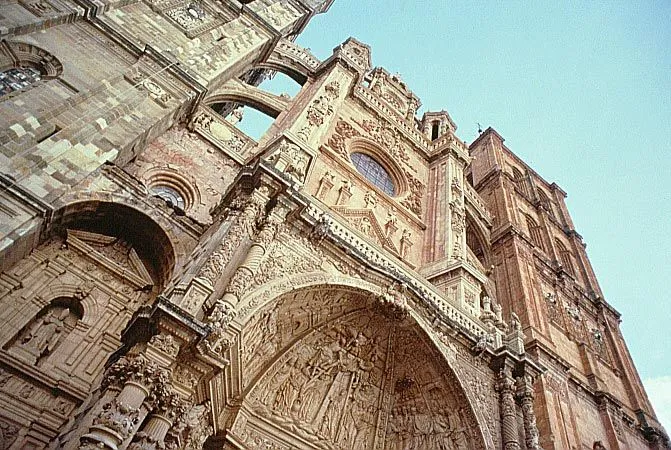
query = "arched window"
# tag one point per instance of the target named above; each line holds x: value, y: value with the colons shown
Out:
x: 42, y: 336
x: 520, y: 181
x: 374, y: 172
x: 22, y: 65
x: 545, y: 202
x: 535, y: 232
x: 565, y: 257
x: 170, y: 195
x: 18, y: 78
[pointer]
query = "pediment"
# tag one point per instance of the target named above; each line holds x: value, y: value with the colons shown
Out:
x: 113, y: 253
x: 365, y: 221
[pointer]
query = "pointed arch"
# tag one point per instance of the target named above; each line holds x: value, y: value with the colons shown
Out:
x: 565, y: 256
x: 348, y: 298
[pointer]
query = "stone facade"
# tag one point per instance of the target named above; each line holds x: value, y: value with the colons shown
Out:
x: 358, y: 278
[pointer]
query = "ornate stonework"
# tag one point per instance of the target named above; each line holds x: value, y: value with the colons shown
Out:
x: 356, y: 278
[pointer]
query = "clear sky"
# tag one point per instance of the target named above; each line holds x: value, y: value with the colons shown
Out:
x: 582, y: 92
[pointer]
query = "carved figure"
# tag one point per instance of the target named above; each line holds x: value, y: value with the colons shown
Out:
x: 406, y: 242
x: 370, y: 199
x: 44, y: 334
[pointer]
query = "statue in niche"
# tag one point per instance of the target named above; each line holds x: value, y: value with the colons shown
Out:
x: 41, y: 338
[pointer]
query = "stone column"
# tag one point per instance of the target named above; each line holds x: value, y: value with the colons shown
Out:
x: 243, y: 226
x: 506, y: 388
x: 243, y: 275
x: 218, y: 341
x: 525, y: 393
x: 116, y: 418
x: 153, y: 433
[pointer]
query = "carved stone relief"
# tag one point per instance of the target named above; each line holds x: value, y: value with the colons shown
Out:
x: 8, y: 434
x: 319, y: 109
x: 393, y: 144
x: 364, y: 380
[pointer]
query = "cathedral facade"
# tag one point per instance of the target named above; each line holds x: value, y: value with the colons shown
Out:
x: 357, y: 278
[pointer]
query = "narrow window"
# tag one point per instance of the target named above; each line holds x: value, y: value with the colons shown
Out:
x: 520, y: 182
x: 535, y: 232
x: 434, y: 130
x: 565, y: 257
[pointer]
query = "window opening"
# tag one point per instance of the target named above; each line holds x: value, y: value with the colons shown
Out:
x: 434, y: 131
x: 170, y: 195
x: 374, y: 172
x: 535, y: 232
x: 18, y: 78
x: 565, y: 257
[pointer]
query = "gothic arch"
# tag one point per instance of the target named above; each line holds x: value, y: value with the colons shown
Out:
x: 298, y: 74
x: 237, y: 92
x: 361, y: 297
x: 293, y: 60
x: 476, y: 239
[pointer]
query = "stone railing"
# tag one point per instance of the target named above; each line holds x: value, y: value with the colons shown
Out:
x: 343, y: 236
x: 474, y: 199
x: 222, y: 134
x: 296, y: 52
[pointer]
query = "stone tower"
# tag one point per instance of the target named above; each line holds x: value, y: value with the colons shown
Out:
x: 357, y: 278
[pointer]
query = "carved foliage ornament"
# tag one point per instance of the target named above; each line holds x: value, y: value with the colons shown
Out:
x: 165, y: 343
x: 243, y: 226
x: 391, y: 141
x: 119, y: 418
x: 320, y: 108
x: 210, y: 125
x: 134, y: 368
x: 290, y: 159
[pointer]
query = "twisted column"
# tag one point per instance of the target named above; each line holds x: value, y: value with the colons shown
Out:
x: 506, y: 388
x: 244, y: 226
x: 242, y: 277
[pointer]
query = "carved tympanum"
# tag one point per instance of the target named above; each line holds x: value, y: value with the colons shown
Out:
x: 359, y: 381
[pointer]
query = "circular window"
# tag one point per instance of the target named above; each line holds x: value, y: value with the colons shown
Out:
x: 374, y: 172
x: 170, y: 195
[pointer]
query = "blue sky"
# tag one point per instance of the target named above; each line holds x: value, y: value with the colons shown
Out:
x: 582, y: 92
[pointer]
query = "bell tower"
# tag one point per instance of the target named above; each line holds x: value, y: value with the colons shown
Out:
x: 542, y: 273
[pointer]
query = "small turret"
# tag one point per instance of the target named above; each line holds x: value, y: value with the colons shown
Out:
x: 436, y: 124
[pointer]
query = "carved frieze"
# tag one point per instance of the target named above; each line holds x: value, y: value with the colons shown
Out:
x: 148, y: 83
x: 40, y: 8
x: 193, y: 17
x: 8, y: 434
